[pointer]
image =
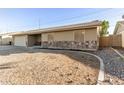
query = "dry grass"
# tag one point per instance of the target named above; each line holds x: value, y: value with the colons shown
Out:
x: 48, y: 67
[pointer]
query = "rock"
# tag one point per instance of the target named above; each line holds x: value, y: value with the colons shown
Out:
x: 114, y: 66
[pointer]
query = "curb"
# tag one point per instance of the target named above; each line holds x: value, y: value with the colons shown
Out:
x: 101, y: 77
x: 118, y: 52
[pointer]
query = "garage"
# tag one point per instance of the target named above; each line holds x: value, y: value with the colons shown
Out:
x: 20, y: 40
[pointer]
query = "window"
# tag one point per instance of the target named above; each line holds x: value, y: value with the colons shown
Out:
x: 79, y: 35
x: 50, y: 37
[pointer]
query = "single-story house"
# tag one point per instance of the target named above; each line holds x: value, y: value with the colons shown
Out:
x: 119, y: 31
x: 6, y: 39
x: 83, y: 36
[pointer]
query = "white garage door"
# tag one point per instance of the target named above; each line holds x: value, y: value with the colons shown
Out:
x: 20, y: 40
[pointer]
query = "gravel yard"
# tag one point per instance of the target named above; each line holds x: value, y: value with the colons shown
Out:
x: 121, y: 51
x: 39, y: 66
x: 114, y: 66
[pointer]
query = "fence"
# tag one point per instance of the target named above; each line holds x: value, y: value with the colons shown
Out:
x: 112, y: 40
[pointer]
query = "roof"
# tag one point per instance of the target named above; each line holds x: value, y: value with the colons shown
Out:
x: 6, y: 34
x: 117, y: 26
x: 61, y: 28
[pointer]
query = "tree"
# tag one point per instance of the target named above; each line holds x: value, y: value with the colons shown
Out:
x: 104, y: 30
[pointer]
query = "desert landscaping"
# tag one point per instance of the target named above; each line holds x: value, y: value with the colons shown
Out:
x: 19, y: 65
x: 114, y: 65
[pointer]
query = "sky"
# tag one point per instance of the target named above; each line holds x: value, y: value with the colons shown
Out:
x: 24, y: 19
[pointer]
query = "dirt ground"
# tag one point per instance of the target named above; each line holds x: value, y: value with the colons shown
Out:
x: 46, y: 67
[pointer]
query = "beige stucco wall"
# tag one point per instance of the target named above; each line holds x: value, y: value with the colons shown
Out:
x: 91, y: 34
x: 99, y: 28
x: 44, y: 36
x: 5, y: 39
x: 59, y: 36
x: 120, y: 29
x: 64, y: 36
x: 123, y: 39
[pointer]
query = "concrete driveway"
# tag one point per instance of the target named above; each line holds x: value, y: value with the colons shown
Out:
x: 6, y: 47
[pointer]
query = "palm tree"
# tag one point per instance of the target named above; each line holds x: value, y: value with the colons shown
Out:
x: 104, y: 30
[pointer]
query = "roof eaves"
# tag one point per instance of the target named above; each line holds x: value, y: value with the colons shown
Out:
x: 67, y: 27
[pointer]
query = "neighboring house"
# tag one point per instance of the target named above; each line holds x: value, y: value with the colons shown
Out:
x: 5, y: 39
x: 83, y: 36
x: 119, y: 30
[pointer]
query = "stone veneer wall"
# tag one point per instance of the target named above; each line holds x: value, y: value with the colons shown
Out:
x: 70, y: 45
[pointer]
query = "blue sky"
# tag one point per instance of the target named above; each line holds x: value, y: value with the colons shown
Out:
x: 12, y: 20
